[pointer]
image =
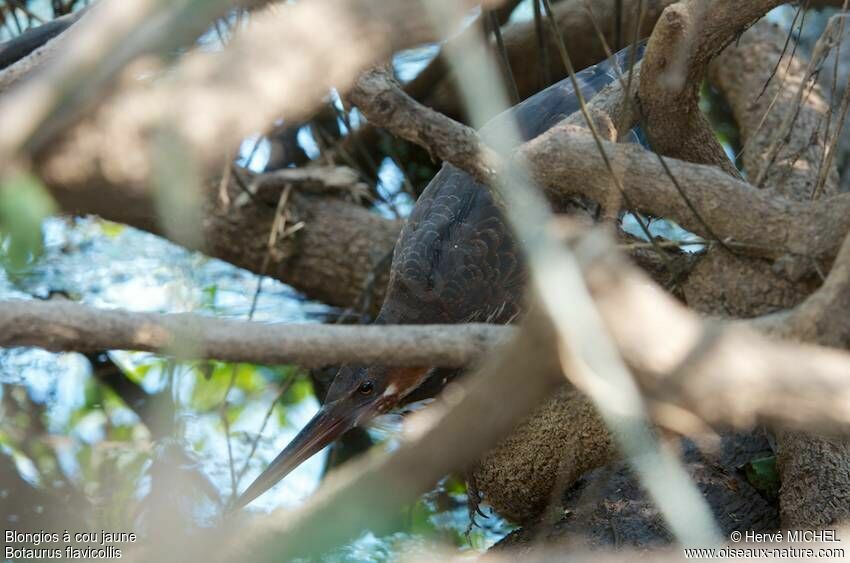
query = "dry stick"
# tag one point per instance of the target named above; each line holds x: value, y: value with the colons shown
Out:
x: 542, y: 46
x: 19, y: 4
x: 504, y: 61
x: 287, y: 385
x: 642, y: 119
x: 585, y: 344
x: 791, y: 116
x: 828, y: 121
x: 565, y: 58
x: 641, y: 8
x: 342, y: 115
x: 829, y: 148
x: 339, y: 145
x: 775, y: 98
x: 15, y: 19
x: 278, y: 225
x: 800, y: 10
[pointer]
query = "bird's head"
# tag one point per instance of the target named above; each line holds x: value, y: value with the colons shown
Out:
x: 356, y: 396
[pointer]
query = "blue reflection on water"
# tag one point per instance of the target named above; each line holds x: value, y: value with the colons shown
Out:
x: 108, y: 266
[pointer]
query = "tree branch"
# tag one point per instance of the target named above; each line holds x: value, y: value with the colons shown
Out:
x: 688, y: 35
x: 60, y: 326
x: 756, y: 224
x: 229, y: 95
x: 741, y: 72
x: 724, y: 373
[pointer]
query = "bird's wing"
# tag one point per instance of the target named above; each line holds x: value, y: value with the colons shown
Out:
x: 456, y: 259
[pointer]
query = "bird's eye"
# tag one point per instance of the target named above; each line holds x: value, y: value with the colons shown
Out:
x: 366, y: 388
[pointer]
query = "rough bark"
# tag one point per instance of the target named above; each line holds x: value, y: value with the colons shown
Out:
x: 581, y: 40
x: 546, y: 453
x: 688, y: 35
x: 609, y: 508
x: 338, y: 257
x: 740, y: 72
x: 815, y: 480
x: 813, y: 468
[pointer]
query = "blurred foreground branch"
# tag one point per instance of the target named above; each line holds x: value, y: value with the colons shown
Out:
x: 276, y: 67
x: 754, y: 223
x: 664, y: 343
x: 725, y: 373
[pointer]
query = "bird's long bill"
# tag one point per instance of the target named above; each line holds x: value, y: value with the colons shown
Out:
x: 326, y: 426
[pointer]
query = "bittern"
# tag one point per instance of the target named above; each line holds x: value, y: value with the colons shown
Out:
x: 455, y: 261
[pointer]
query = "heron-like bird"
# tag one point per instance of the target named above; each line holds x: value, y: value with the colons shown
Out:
x: 455, y: 261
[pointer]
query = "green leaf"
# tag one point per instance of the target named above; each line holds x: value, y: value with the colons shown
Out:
x: 298, y: 392
x: 420, y: 519
x: 762, y: 474
x: 110, y: 229
x: 208, y: 297
x: 24, y: 203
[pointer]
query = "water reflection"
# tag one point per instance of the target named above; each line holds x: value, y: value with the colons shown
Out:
x: 82, y: 432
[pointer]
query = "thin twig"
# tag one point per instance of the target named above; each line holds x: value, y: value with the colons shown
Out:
x: 542, y: 47
x: 278, y: 225
x: 565, y: 58
x: 642, y: 118
x: 829, y: 146
x: 287, y: 385
x: 504, y: 60
x: 821, y: 47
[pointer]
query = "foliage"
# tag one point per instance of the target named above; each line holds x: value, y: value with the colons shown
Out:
x: 24, y: 203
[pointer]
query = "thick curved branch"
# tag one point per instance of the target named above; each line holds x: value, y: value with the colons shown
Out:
x: 756, y: 223
x: 277, y: 67
x: 340, y: 256
x: 688, y: 35
x: 741, y: 72
x: 723, y: 373
x: 381, y: 99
